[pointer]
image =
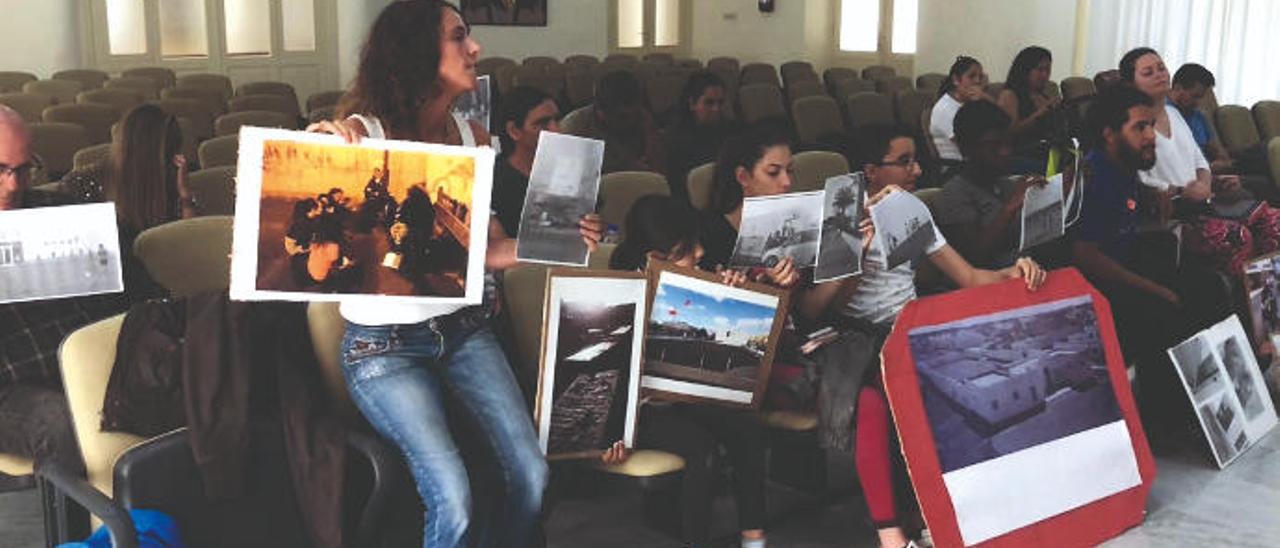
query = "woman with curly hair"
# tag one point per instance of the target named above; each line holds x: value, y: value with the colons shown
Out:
x: 410, y: 367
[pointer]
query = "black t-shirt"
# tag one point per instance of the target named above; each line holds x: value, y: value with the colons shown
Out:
x: 509, y: 187
x: 688, y: 147
x: 718, y: 239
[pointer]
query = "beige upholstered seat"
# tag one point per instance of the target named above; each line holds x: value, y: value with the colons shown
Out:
x: 664, y: 93
x: 88, y: 78
x: 836, y: 74
x: 878, y: 72
x: 327, y: 327
x: 643, y: 463
x: 868, y: 108
x: 95, y: 119
x: 1266, y: 114
x: 659, y: 58
x: 217, y: 82
x: 90, y: 156
x: 230, y: 123
x: 760, y: 102
x: 270, y: 88
x: 265, y: 102
x: 539, y: 61
x: 726, y: 62
x: 759, y: 73
x: 1074, y: 87
x: 489, y: 65
x: 197, y: 112
x: 121, y: 99
x: 620, y: 189
x: 62, y: 91
x: 15, y: 465
x: 796, y: 71
x: 149, y: 88
x: 579, y: 87
x: 909, y: 104
x: 163, y: 77
x: 701, y: 183
x: 795, y: 421
x: 814, y: 167
x: 849, y: 86
x: 188, y: 256
x: 212, y: 98
x: 219, y: 151
x: 28, y: 105
x: 816, y: 117
x: 12, y: 81
x: 214, y: 189
x: 893, y: 85
x: 577, y: 120
x: 56, y: 144
x: 1236, y: 128
x: 804, y: 88
x: 323, y: 99
x: 930, y: 82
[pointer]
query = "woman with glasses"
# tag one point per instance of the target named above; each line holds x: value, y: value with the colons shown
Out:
x: 852, y: 409
x: 964, y: 84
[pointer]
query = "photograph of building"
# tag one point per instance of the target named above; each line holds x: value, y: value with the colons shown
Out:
x: 358, y: 220
x: 840, y: 243
x: 1262, y: 281
x: 1042, y: 214
x: 1238, y: 371
x: 777, y: 227
x: 563, y: 186
x: 995, y: 385
x: 1220, y: 426
x: 708, y: 333
x: 1198, y: 367
x: 81, y: 257
x: 904, y: 227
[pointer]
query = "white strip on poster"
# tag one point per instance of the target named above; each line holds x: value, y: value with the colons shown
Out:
x: 693, y: 389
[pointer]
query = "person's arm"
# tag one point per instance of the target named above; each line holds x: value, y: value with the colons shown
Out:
x: 814, y: 302
x: 186, y: 200
x: 1097, y: 265
x: 965, y: 275
x: 1201, y: 188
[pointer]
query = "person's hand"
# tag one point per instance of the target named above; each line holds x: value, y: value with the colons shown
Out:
x: 784, y: 274
x: 1030, y: 271
x: 1167, y: 295
x: 180, y: 162
x: 616, y: 454
x: 868, y: 230
x: 731, y: 277
x: 1019, y: 195
x: 969, y: 94
x: 884, y: 192
x: 351, y: 131
x: 591, y: 227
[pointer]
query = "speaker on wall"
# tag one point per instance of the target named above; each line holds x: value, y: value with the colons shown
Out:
x: 766, y: 6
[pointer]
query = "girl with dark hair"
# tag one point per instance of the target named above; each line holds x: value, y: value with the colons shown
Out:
x: 404, y: 364
x: 523, y: 114
x: 297, y: 239
x: 1035, y: 113
x: 964, y: 84
x: 700, y: 127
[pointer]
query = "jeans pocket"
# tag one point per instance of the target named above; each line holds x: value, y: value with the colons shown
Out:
x: 359, y: 346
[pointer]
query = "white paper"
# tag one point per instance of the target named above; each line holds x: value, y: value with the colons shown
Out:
x: 476, y: 104
x: 1075, y: 196
x: 563, y: 186
x: 1011, y: 492
x: 904, y: 226
x: 839, y: 240
x: 57, y: 252
x: 1042, y: 214
x: 776, y: 227
x: 245, y: 279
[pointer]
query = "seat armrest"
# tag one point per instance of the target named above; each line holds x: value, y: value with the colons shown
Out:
x: 116, y: 518
x: 385, y: 475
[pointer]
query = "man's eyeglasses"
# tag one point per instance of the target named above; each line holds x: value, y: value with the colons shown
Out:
x: 21, y: 173
x: 900, y: 162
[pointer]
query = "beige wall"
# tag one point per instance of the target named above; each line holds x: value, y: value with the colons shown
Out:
x: 994, y: 31
x: 40, y: 36
x: 737, y: 29
x: 573, y: 26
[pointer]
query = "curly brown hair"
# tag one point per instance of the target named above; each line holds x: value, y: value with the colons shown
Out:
x: 399, y: 64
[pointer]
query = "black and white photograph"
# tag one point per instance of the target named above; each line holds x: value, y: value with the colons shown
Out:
x: 563, y: 186
x: 708, y: 341
x: 80, y: 255
x: 1002, y: 383
x: 1235, y: 408
x: 904, y: 227
x: 840, y: 241
x: 776, y: 227
x: 522, y: 13
x: 476, y: 105
x: 1262, y: 282
x: 1042, y: 214
x: 318, y: 219
x: 590, y: 372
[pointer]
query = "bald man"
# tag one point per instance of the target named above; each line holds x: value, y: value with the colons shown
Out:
x: 15, y: 158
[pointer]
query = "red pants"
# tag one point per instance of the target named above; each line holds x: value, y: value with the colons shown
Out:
x: 871, y: 455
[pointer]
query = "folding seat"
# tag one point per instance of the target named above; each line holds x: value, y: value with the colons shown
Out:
x: 207, y: 81
x: 264, y: 101
x: 909, y: 104
x: 893, y: 85
x: 804, y: 88
x: 95, y: 119
x: 62, y: 91
x: 219, y: 151
x: 816, y: 117
x: 91, y: 156
x: 760, y: 102
x: 143, y: 85
x: 28, y: 105
x: 664, y: 93
x: 12, y: 81
x: 867, y: 108
x: 878, y: 72
x: 758, y: 73
x: 324, y: 99
x: 1266, y: 114
x: 701, y: 184
x: 88, y: 78
x: 121, y: 99
x: 814, y: 167
x: 659, y: 58
x: 930, y: 81
x: 539, y: 61
x: 1074, y: 87
x: 197, y: 113
x: 212, y: 98
x: 161, y: 75
x: 620, y: 189
x: 214, y: 190
x: 229, y: 124
x: 1236, y: 128
x: 56, y: 144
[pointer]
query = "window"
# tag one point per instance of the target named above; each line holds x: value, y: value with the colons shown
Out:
x: 126, y: 27
x: 862, y: 25
x: 248, y: 26
x: 630, y: 23
x: 182, y: 29
x: 666, y: 23
x: 299, y: 25
x: 646, y: 25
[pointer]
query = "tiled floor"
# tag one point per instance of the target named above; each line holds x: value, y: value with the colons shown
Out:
x: 1193, y: 505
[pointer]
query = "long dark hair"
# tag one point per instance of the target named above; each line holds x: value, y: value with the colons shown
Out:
x: 743, y: 150
x: 515, y: 107
x: 143, y: 180
x: 1019, y: 73
x: 1129, y: 63
x: 399, y: 64
x: 655, y: 223
x: 697, y: 84
x: 958, y: 68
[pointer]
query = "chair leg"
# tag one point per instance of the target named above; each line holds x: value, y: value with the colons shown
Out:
x: 64, y: 520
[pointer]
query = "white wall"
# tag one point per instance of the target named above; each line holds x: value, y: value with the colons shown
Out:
x: 993, y: 31
x: 354, y: 21
x: 573, y: 26
x: 40, y: 36
x: 739, y: 30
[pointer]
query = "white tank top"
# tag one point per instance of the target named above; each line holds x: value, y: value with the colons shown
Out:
x: 378, y: 313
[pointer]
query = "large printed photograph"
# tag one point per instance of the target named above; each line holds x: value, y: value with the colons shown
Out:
x: 319, y: 220
x: 56, y: 252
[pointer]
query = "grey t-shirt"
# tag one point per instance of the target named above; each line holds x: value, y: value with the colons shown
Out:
x: 963, y: 202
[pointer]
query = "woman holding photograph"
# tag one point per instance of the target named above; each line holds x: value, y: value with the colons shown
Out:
x: 403, y: 362
x: 667, y: 229
x: 853, y: 412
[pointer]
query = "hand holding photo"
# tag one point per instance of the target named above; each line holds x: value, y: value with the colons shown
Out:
x: 777, y: 227
x: 1042, y: 214
x: 904, y: 228
x: 707, y: 341
x: 589, y: 378
x: 57, y: 252
x: 840, y: 241
x: 563, y: 186
x: 321, y: 220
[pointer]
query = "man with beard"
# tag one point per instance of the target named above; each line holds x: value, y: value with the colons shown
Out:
x: 1148, y: 311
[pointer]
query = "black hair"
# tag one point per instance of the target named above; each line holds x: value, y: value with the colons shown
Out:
x: 976, y: 119
x: 1110, y: 109
x: 655, y: 223
x: 1129, y: 63
x: 618, y: 89
x: 873, y: 143
x: 515, y: 107
x: 1020, y: 71
x: 1191, y: 74
x: 303, y: 207
x: 694, y: 88
x: 958, y: 68
x: 743, y: 150
x: 328, y: 229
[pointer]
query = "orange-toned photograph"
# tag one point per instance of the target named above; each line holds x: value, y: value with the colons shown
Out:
x: 355, y: 220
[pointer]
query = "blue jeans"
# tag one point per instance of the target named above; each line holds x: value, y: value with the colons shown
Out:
x: 400, y: 377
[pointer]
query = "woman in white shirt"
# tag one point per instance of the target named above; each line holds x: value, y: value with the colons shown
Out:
x: 1181, y: 170
x: 964, y: 84
x: 405, y: 364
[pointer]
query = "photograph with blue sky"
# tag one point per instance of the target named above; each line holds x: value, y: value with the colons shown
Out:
x: 729, y: 321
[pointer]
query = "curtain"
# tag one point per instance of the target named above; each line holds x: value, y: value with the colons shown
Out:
x: 1237, y: 40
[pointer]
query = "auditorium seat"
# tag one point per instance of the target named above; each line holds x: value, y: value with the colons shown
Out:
x: 730, y: 63
x: 88, y: 78
x: 893, y: 85
x: 162, y: 76
x: 659, y: 58
x: 663, y: 93
x: 625, y: 59
x: 758, y: 73
x: 580, y: 86
x: 229, y: 124
x: 701, y: 184
x: 1075, y: 87
x: 993, y: 89
x: 322, y: 99
x: 814, y: 167
x: 804, y: 88
x: 214, y: 190
x: 577, y: 120
x: 210, y: 97
x: 219, y: 151
x: 28, y: 105
x: 12, y: 81
x: 218, y: 82
x: 95, y: 119
x: 816, y: 117
x: 760, y: 102
x: 189, y: 256
x: 849, y: 86
x: 620, y: 189
x: 867, y: 108
x: 930, y: 82
x: 1236, y: 128
x: 580, y: 59
x: 539, y: 61
x: 794, y: 71
x: 908, y: 106
x: 91, y: 156
x: 689, y: 63
x: 264, y: 101
x: 197, y: 112
x: 56, y: 144
x: 878, y: 72
x: 836, y: 74
x: 144, y: 85
x: 62, y: 91
x: 121, y: 99
x: 1266, y: 114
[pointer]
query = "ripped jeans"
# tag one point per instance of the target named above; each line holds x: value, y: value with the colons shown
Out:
x: 401, y: 376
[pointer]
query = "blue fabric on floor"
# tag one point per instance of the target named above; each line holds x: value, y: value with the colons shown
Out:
x: 155, y: 530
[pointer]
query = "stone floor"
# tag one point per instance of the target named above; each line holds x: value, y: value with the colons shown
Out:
x: 1193, y: 505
